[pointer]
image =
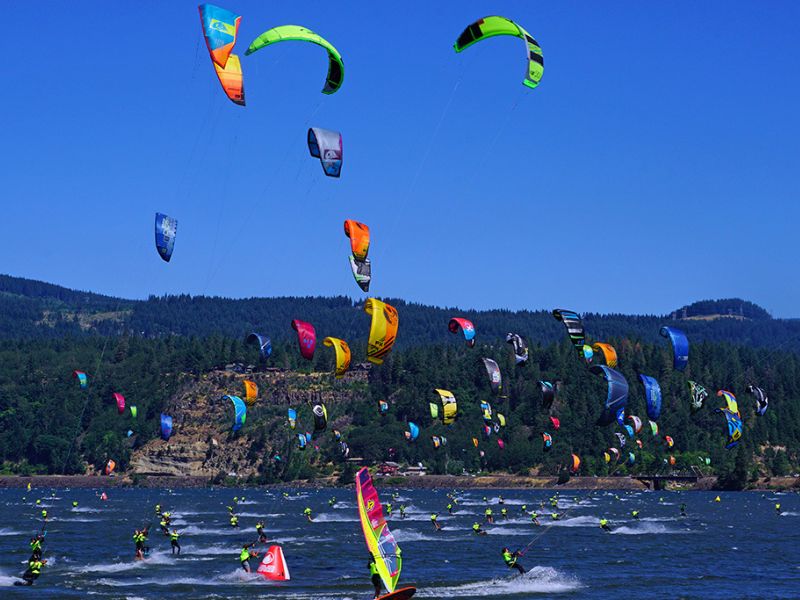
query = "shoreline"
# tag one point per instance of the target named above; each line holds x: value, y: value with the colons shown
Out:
x: 490, y: 481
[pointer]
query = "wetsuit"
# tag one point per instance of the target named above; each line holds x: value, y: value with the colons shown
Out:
x: 604, y: 525
x: 173, y: 541
x: 402, y: 511
x: 476, y: 527
x: 164, y: 526
x: 489, y: 517
x: 262, y: 537
x: 374, y: 576
x: 450, y: 508
x: 244, y: 556
x: 234, y: 521
x: 307, y: 513
x: 535, y: 518
x: 504, y: 513
x: 33, y: 571
x: 434, y: 516
x: 635, y: 514
x: 510, y: 558
x: 36, y: 548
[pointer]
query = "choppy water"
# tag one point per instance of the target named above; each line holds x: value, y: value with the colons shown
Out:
x: 738, y: 548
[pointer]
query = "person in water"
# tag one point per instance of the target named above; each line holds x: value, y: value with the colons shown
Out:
x: 535, y: 518
x: 245, y: 555
x: 717, y: 499
x: 402, y: 511
x: 500, y: 500
x: 139, y: 539
x: 604, y: 525
x: 510, y: 558
x: 234, y: 521
x: 44, y: 515
x: 307, y: 513
x: 332, y: 501
x: 489, y: 517
x: 158, y: 510
x: 33, y: 571
x: 504, y: 512
x: 262, y: 537
x: 635, y: 514
x: 450, y: 507
x: 164, y: 524
x: 476, y: 528
x: 436, y: 525
x: 683, y: 509
x: 173, y: 541
x: 555, y: 516
x: 778, y: 510
x: 374, y: 575
x: 388, y: 509
x: 74, y: 504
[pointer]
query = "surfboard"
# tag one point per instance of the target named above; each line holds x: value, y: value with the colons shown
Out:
x: 401, y: 594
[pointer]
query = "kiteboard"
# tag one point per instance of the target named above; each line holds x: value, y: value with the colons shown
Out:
x: 401, y: 594
x: 273, y: 566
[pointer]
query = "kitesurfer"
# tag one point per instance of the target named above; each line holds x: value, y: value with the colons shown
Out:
x: 778, y: 509
x: 450, y: 508
x: 500, y: 500
x: 436, y: 525
x: 524, y: 508
x: 139, y: 538
x: 36, y: 546
x: 164, y: 524
x: 488, y: 514
x: 535, y: 518
x: 332, y: 501
x: 604, y: 525
x: 374, y: 575
x: 635, y: 514
x: 402, y: 511
x: 262, y: 537
x: 555, y: 516
x: 504, y: 512
x: 33, y: 571
x: 683, y: 509
x: 44, y: 515
x: 510, y: 558
x: 234, y: 521
x: 476, y: 528
x: 388, y: 509
x: 717, y: 499
x: 244, y: 557
x: 307, y: 513
x: 74, y: 504
x: 158, y: 510
x: 173, y: 541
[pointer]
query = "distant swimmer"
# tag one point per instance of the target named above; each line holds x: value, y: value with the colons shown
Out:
x: 262, y: 537
x: 476, y: 529
x: 245, y: 555
x: 436, y: 525
x: 173, y: 541
x: 402, y: 511
x: 510, y: 558
x: 604, y: 525
x: 635, y: 514
x: 778, y: 509
x: 374, y: 575
x: 489, y: 516
x: 307, y: 513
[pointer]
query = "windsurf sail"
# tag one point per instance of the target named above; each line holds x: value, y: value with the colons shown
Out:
x: 380, y: 541
x: 273, y: 566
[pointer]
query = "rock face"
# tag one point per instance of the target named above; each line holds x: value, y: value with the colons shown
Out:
x: 203, y: 444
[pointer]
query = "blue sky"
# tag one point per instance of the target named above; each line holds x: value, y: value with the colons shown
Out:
x: 656, y: 164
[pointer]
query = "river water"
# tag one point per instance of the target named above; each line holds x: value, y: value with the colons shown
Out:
x: 737, y: 548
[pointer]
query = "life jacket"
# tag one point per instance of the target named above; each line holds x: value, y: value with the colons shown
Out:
x: 373, y: 568
x: 35, y: 567
x: 476, y: 527
x: 244, y: 554
x: 509, y: 558
x: 174, y: 536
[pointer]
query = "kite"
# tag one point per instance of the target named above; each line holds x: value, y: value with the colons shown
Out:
x: 326, y: 145
x: 680, y: 347
x: 342, y: 355
x: 306, y: 338
x: 382, y: 331
x: 466, y: 327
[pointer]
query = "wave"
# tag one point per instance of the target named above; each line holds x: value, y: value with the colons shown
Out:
x: 539, y: 580
x: 408, y: 535
x: 583, y: 521
x: 194, y: 530
x: 154, y: 558
x: 507, y: 531
x: 333, y: 518
x: 644, y: 529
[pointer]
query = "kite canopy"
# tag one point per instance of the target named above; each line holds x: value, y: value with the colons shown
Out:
x: 231, y: 79
x: 320, y: 418
x: 698, y: 395
x: 220, y: 27
x: 575, y: 464
x: 383, y: 407
x: 166, y: 427
x: 326, y: 145
x: 359, y: 238
x: 120, y: 400
x: 547, y: 441
x: 449, y: 406
x: 617, y: 397
x: 413, y: 432
x: 548, y: 394
x: 519, y: 346
x: 730, y: 400
x: 382, y: 331
x: 637, y: 423
x: 292, y: 417
x: 762, y: 401
x: 734, y: 423
x: 652, y: 394
x: 680, y: 347
x: 496, y: 25
x: 306, y: 338
x: 342, y: 355
x: 83, y: 380
x: 297, y: 33
x: 239, y: 411
x: 250, y: 392
x: 609, y: 354
x: 466, y: 327
x: 572, y: 321
x: 264, y: 344
x: 110, y: 465
x: 495, y: 378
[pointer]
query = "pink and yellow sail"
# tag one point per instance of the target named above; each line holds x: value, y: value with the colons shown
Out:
x: 380, y: 541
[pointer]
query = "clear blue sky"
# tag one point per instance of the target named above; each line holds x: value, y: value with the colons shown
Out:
x: 657, y: 163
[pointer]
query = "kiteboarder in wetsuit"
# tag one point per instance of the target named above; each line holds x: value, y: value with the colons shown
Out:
x: 173, y: 541
x: 476, y: 527
x: 510, y: 558
x: 436, y: 525
x: 374, y: 576
x: 307, y: 513
x: 604, y: 525
x: 262, y: 537
x: 36, y: 546
x: 33, y: 571
x: 245, y: 555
